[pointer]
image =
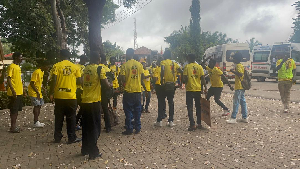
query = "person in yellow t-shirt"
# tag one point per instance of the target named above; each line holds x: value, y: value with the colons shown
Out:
x: 239, y: 93
x: 65, y: 76
x: 116, y: 71
x: 35, y: 92
x: 146, y: 92
x: 160, y: 95
x: 15, y: 90
x: 152, y: 70
x: 132, y: 76
x: 169, y: 71
x: 94, y: 76
x: 216, y: 75
x: 286, y: 68
x: 79, y: 91
x: 194, y: 79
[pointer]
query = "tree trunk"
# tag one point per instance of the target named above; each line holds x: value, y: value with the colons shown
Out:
x: 63, y: 44
x: 95, y: 10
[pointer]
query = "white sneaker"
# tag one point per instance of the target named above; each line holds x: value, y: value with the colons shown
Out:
x: 226, y: 112
x: 158, y: 124
x: 286, y: 110
x: 38, y: 124
x: 244, y: 120
x: 231, y: 121
x: 171, y: 124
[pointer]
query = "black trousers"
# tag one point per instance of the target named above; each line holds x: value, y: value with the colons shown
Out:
x: 161, y: 102
x: 115, y: 99
x: 190, y: 97
x: 216, y: 92
x: 91, y: 128
x: 79, y: 114
x: 104, y: 105
x: 65, y: 107
x: 169, y: 94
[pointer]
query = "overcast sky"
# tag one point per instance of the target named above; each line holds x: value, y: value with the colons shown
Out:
x: 268, y: 21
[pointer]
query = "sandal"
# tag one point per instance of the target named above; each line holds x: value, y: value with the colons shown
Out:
x: 16, y: 130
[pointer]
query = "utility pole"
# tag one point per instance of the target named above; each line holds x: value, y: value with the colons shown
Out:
x: 135, y: 35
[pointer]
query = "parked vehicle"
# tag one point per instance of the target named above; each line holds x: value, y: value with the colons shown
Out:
x: 262, y: 62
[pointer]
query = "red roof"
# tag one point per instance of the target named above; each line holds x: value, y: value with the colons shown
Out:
x: 8, y: 55
x: 142, y: 51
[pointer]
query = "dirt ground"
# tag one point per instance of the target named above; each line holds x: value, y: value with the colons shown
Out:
x: 270, y: 140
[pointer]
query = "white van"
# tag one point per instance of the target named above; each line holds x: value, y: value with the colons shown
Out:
x: 261, y: 62
x: 223, y: 55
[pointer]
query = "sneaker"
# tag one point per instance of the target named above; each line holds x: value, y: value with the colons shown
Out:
x: 244, y: 120
x: 199, y: 126
x: 171, y: 124
x: 226, y: 112
x: 231, y: 121
x: 126, y: 132
x: 38, y: 125
x: 158, y: 124
x: 74, y: 141
x: 192, y: 128
x: 286, y: 110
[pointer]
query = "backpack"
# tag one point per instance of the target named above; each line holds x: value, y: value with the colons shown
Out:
x: 246, y: 82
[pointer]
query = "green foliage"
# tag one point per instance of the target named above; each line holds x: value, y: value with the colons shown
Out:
x: 253, y: 43
x: 6, y: 46
x: 295, y: 38
x: 195, y: 29
x: 27, y: 67
x: 112, y: 50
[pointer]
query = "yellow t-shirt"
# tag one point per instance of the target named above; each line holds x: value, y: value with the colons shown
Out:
x: 157, y: 75
x: 14, y: 71
x: 37, y: 78
x: 239, y: 68
x: 66, y: 73
x: 169, y: 75
x: 194, y: 72
x: 104, y: 67
x: 285, y: 73
x: 116, y: 72
x: 153, y: 69
x: 147, y: 81
x: 215, y: 76
x: 81, y: 67
x: 91, y: 84
x: 132, y: 70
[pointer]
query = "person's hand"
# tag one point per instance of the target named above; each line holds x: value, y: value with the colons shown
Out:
x: 14, y: 94
x: 38, y: 96
x: 231, y: 88
x: 51, y: 98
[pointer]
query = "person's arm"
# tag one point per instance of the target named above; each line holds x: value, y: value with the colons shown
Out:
x: 106, y: 83
x: 142, y: 81
x: 162, y: 74
x: 225, y: 80
x: 79, y: 81
x: 52, y: 86
x: 239, y: 74
x: 35, y: 89
x: 185, y: 79
x: 11, y: 87
x: 203, y: 83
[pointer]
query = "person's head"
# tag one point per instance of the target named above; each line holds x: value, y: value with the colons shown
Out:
x: 112, y: 60
x: 144, y: 65
x: 95, y: 57
x: 65, y: 54
x: 43, y: 64
x: 191, y: 58
x: 129, y: 53
x: 212, y: 63
x: 167, y: 54
x: 83, y: 59
x: 159, y: 59
x: 17, y: 57
x: 153, y: 64
x: 237, y: 57
x: 103, y: 59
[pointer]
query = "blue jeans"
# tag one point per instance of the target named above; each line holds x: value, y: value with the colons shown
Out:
x: 239, y: 99
x: 147, y: 99
x: 132, y: 108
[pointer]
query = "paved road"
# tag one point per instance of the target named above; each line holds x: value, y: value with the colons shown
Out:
x: 269, y: 89
x: 270, y: 140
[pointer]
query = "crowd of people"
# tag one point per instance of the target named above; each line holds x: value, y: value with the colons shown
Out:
x: 91, y: 87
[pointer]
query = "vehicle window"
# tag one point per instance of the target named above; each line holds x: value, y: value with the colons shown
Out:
x: 296, y: 56
x: 245, y: 54
x: 261, y: 56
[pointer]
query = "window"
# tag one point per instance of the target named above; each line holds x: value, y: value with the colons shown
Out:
x: 296, y: 56
x: 245, y: 54
x: 262, y: 56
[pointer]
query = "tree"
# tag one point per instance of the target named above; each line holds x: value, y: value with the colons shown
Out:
x: 112, y: 50
x: 6, y: 46
x: 295, y: 38
x: 253, y: 43
x: 195, y: 29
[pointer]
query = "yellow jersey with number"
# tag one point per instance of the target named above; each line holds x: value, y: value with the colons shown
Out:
x: 36, y: 77
x: 170, y: 70
x: 91, y: 84
x: 67, y: 73
x: 14, y: 72
x: 132, y: 70
x: 194, y: 72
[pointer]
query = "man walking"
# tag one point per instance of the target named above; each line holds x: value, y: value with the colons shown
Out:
x: 65, y: 75
x: 239, y: 93
x: 194, y: 79
x: 169, y: 71
x: 91, y: 106
x: 132, y: 76
x: 286, y: 68
x: 35, y: 93
x: 216, y: 76
x: 15, y: 90
x: 147, y: 92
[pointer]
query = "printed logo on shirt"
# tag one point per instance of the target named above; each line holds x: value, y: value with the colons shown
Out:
x: 67, y: 71
x: 64, y: 90
x: 134, y: 72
